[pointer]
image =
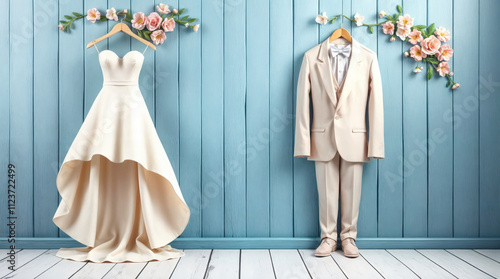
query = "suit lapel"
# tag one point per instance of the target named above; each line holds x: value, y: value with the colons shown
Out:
x: 325, y: 71
x: 350, y: 77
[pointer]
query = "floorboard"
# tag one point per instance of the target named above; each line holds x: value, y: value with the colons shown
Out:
x: 22, y: 257
x: 256, y: 264
x: 386, y: 264
x: 62, y: 269
x: 478, y: 260
x: 493, y: 254
x: 420, y: 265
x: 158, y: 269
x: 452, y: 264
x: 93, y: 271
x: 125, y: 271
x: 36, y: 266
x: 192, y: 265
x: 288, y: 264
x: 355, y: 268
x: 321, y: 267
x: 224, y: 264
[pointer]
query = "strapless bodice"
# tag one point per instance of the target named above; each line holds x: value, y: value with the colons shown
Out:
x: 121, y: 71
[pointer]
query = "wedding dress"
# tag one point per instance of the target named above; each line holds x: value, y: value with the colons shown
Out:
x: 120, y: 196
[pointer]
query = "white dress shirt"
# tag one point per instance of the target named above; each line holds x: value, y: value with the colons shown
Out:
x: 339, y: 57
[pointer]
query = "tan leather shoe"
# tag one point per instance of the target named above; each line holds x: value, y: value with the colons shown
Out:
x: 327, y: 246
x: 349, y: 248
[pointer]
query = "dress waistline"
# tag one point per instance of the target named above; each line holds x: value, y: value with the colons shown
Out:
x: 121, y: 83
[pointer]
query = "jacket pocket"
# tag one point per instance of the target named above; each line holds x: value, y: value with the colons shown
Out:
x: 359, y: 130
x: 318, y: 130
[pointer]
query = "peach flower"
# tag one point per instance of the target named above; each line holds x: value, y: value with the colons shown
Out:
x: 392, y: 39
x: 455, y: 86
x: 443, y: 69
x: 158, y: 37
x: 139, y: 21
x: 382, y: 14
x: 175, y: 11
x: 417, y: 70
x: 431, y: 45
x: 196, y: 27
x: 111, y: 14
x: 445, y: 53
x: 415, y: 37
x: 442, y: 34
x: 168, y: 24
x: 93, y: 15
x: 154, y: 21
x: 388, y: 28
x: 403, y: 32
x: 416, y: 53
x: 163, y: 9
x: 186, y: 25
x: 322, y: 19
x: 405, y: 21
x: 61, y: 27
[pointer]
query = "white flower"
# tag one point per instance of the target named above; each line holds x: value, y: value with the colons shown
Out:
x: 322, y: 19
x: 455, y: 86
x: 407, y: 54
x: 417, y: 70
x: 382, y: 14
x: 111, y: 14
x: 358, y: 19
x: 392, y: 39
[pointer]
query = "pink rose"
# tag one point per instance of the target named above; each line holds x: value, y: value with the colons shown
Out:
x: 417, y: 53
x: 93, y: 15
x: 442, y: 34
x: 403, y: 32
x: 139, y: 21
x: 163, y: 9
x: 415, y: 37
x: 158, y: 37
x: 431, y: 45
x: 443, y: 69
x: 388, y: 28
x: 445, y: 53
x: 154, y: 21
x: 168, y: 25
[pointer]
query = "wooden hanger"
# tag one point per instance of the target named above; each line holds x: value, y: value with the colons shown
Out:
x: 122, y: 27
x: 341, y: 32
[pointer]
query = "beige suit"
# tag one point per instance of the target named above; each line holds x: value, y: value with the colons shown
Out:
x: 337, y: 138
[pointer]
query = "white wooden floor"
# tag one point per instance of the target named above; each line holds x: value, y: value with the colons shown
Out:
x: 263, y: 264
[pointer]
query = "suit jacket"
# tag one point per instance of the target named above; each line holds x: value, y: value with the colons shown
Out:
x: 339, y: 125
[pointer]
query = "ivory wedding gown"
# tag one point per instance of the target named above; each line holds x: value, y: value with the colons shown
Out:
x: 120, y: 196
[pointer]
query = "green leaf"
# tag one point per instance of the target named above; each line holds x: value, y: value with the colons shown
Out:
x: 63, y: 21
x: 395, y: 16
x: 431, y: 29
x: 371, y: 29
x: 139, y: 32
x: 68, y: 17
x: 184, y: 18
x: 400, y: 9
x: 127, y: 20
x: 432, y: 60
x: 191, y: 20
x: 448, y: 83
x: 77, y: 14
x: 181, y: 11
x: 430, y: 72
x: 103, y: 18
x: 419, y: 27
x: 128, y: 14
x: 71, y: 24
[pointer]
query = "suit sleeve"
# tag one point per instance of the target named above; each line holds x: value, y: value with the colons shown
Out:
x: 376, y: 113
x: 302, y: 131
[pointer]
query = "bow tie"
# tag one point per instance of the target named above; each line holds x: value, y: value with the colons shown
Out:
x: 345, y: 51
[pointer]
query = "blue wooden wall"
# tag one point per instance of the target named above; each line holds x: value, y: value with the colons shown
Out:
x: 223, y: 102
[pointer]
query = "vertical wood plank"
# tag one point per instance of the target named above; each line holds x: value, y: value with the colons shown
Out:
x: 4, y: 105
x: 281, y: 118
x: 46, y: 124
x: 465, y: 115
x: 166, y: 85
x: 93, y: 71
x: 305, y: 36
x: 489, y: 116
x: 190, y: 119
x: 390, y: 222
x: 212, y: 119
x: 234, y: 117
x: 21, y: 111
x: 257, y: 121
x: 367, y: 221
x: 120, y: 43
x: 146, y: 79
x: 440, y: 140
x: 415, y: 135
x: 71, y: 82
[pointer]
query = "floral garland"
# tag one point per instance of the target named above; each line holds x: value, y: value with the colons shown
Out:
x: 152, y: 27
x: 426, y: 41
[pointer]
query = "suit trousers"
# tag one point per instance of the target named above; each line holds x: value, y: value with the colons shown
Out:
x: 334, y: 177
